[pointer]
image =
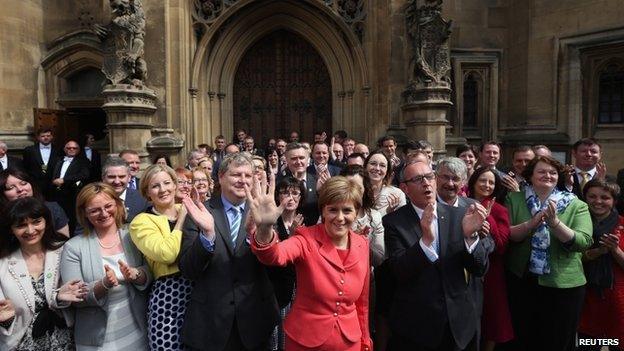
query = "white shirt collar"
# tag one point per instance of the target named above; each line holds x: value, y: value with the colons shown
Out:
x: 454, y: 204
x: 122, y: 196
x: 591, y: 172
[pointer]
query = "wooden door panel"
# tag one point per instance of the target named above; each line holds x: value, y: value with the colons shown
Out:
x: 281, y: 85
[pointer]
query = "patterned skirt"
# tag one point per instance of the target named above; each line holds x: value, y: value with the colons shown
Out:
x: 165, y: 313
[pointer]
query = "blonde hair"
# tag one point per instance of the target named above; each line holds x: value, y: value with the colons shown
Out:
x: 340, y: 189
x: 87, y: 194
x: 150, y: 172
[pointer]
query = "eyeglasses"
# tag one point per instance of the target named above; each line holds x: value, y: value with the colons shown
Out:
x: 97, y: 211
x: 200, y: 180
x: 448, y: 178
x: 419, y: 179
x: 185, y: 182
x: 291, y: 193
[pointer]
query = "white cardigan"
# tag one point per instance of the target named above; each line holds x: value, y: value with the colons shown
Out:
x: 16, y: 285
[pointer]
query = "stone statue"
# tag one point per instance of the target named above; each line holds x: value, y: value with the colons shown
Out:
x: 430, y: 64
x: 123, y: 43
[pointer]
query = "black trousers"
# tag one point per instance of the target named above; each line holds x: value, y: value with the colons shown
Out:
x: 399, y: 343
x: 543, y: 318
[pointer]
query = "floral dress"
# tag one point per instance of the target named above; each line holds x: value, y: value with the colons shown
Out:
x: 47, y: 331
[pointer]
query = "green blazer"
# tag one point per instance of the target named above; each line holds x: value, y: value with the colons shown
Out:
x: 566, y: 268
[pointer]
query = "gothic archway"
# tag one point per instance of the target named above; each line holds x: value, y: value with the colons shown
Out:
x: 281, y: 85
x: 222, y: 48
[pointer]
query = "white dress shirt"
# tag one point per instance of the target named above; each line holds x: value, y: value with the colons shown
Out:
x: 88, y: 152
x: 4, y: 161
x: 66, y: 162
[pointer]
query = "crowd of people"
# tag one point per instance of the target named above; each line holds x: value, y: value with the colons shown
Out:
x: 330, y: 245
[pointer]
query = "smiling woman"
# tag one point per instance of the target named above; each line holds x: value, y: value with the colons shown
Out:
x: 31, y: 294
x: 325, y: 315
x: 550, y: 229
x: 158, y: 235
x: 116, y: 274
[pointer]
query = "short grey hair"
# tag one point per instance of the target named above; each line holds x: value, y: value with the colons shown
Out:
x: 3, y: 146
x: 402, y: 171
x: 114, y: 161
x: 237, y: 159
x: 193, y: 152
x: 455, y: 165
x: 295, y: 146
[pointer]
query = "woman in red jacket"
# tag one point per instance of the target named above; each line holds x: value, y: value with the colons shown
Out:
x: 486, y: 187
x: 330, y: 311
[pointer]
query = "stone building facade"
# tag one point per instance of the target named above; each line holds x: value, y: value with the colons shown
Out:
x: 535, y: 71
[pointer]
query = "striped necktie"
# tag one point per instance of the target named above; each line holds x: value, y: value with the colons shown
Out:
x: 235, y: 219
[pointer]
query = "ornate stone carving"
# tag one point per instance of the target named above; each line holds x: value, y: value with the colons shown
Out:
x: 429, y: 33
x: 206, y: 12
x: 123, y: 43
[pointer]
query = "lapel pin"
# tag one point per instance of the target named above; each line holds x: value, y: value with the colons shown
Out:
x: 49, y: 275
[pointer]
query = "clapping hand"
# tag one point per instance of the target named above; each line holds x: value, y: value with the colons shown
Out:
x: 550, y: 214
x: 130, y: 274
x: 393, y: 202
x: 601, y: 171
x: 73, y: 291
x: 297, y: 222
x: 200, y: 216
x: 473, y: 219
x: 7, y: 310
x: 610, y: 241
x: 110, y: 279
x: 323, y: 176
x: 510, y: 183
x: 425, y: 224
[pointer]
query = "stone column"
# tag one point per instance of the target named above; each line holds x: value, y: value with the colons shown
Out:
x: 129, y: 110
x: 427, y: 97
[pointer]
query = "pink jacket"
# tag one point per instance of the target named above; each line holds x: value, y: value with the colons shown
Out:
x: 328, y: 291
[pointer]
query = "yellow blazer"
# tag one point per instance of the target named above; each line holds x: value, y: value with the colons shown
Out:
x: 160, y: 245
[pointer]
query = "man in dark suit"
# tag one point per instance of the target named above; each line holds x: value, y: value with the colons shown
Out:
x: 68, y: 177
x: 7, y: 161
x: 587, y: 154
x: 297, y: 160
x: 134, y: 162
x: 40, y: 160
x: 116, y: 173
x: 250, y: 146
x: 431, y: 247
x: 95, y: 160
x: 320, y: 157
x: 233, y: 305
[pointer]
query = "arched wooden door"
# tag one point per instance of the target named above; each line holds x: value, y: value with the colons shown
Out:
x: 281, y: 85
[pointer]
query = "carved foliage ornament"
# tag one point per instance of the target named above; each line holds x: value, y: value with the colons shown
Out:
x: 206, y: 12
x: 429, y: 33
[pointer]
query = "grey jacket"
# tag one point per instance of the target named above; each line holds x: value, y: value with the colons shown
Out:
x: 82, y: 260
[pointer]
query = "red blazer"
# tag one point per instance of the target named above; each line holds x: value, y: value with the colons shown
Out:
x: 328, y: 292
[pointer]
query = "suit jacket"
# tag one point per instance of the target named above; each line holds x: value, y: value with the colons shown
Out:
x: 329, y: 291
x: 16, y: 286
x: 430, y: 295
x: 333, y: 170
x: 77, y: 173
x: 135, y: 204
x: 230, y: 285
x: 33, y: 164
x: 95, y: 166
x: 310, y: 208
x: 14, y: 162
x: 82, y: 260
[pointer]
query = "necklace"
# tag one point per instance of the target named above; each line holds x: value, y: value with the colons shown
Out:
x: 104, y: 246
x: 171, y: 219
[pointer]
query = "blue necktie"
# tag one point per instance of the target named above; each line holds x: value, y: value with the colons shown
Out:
x: 133, y: 183
x: 234, y: 224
